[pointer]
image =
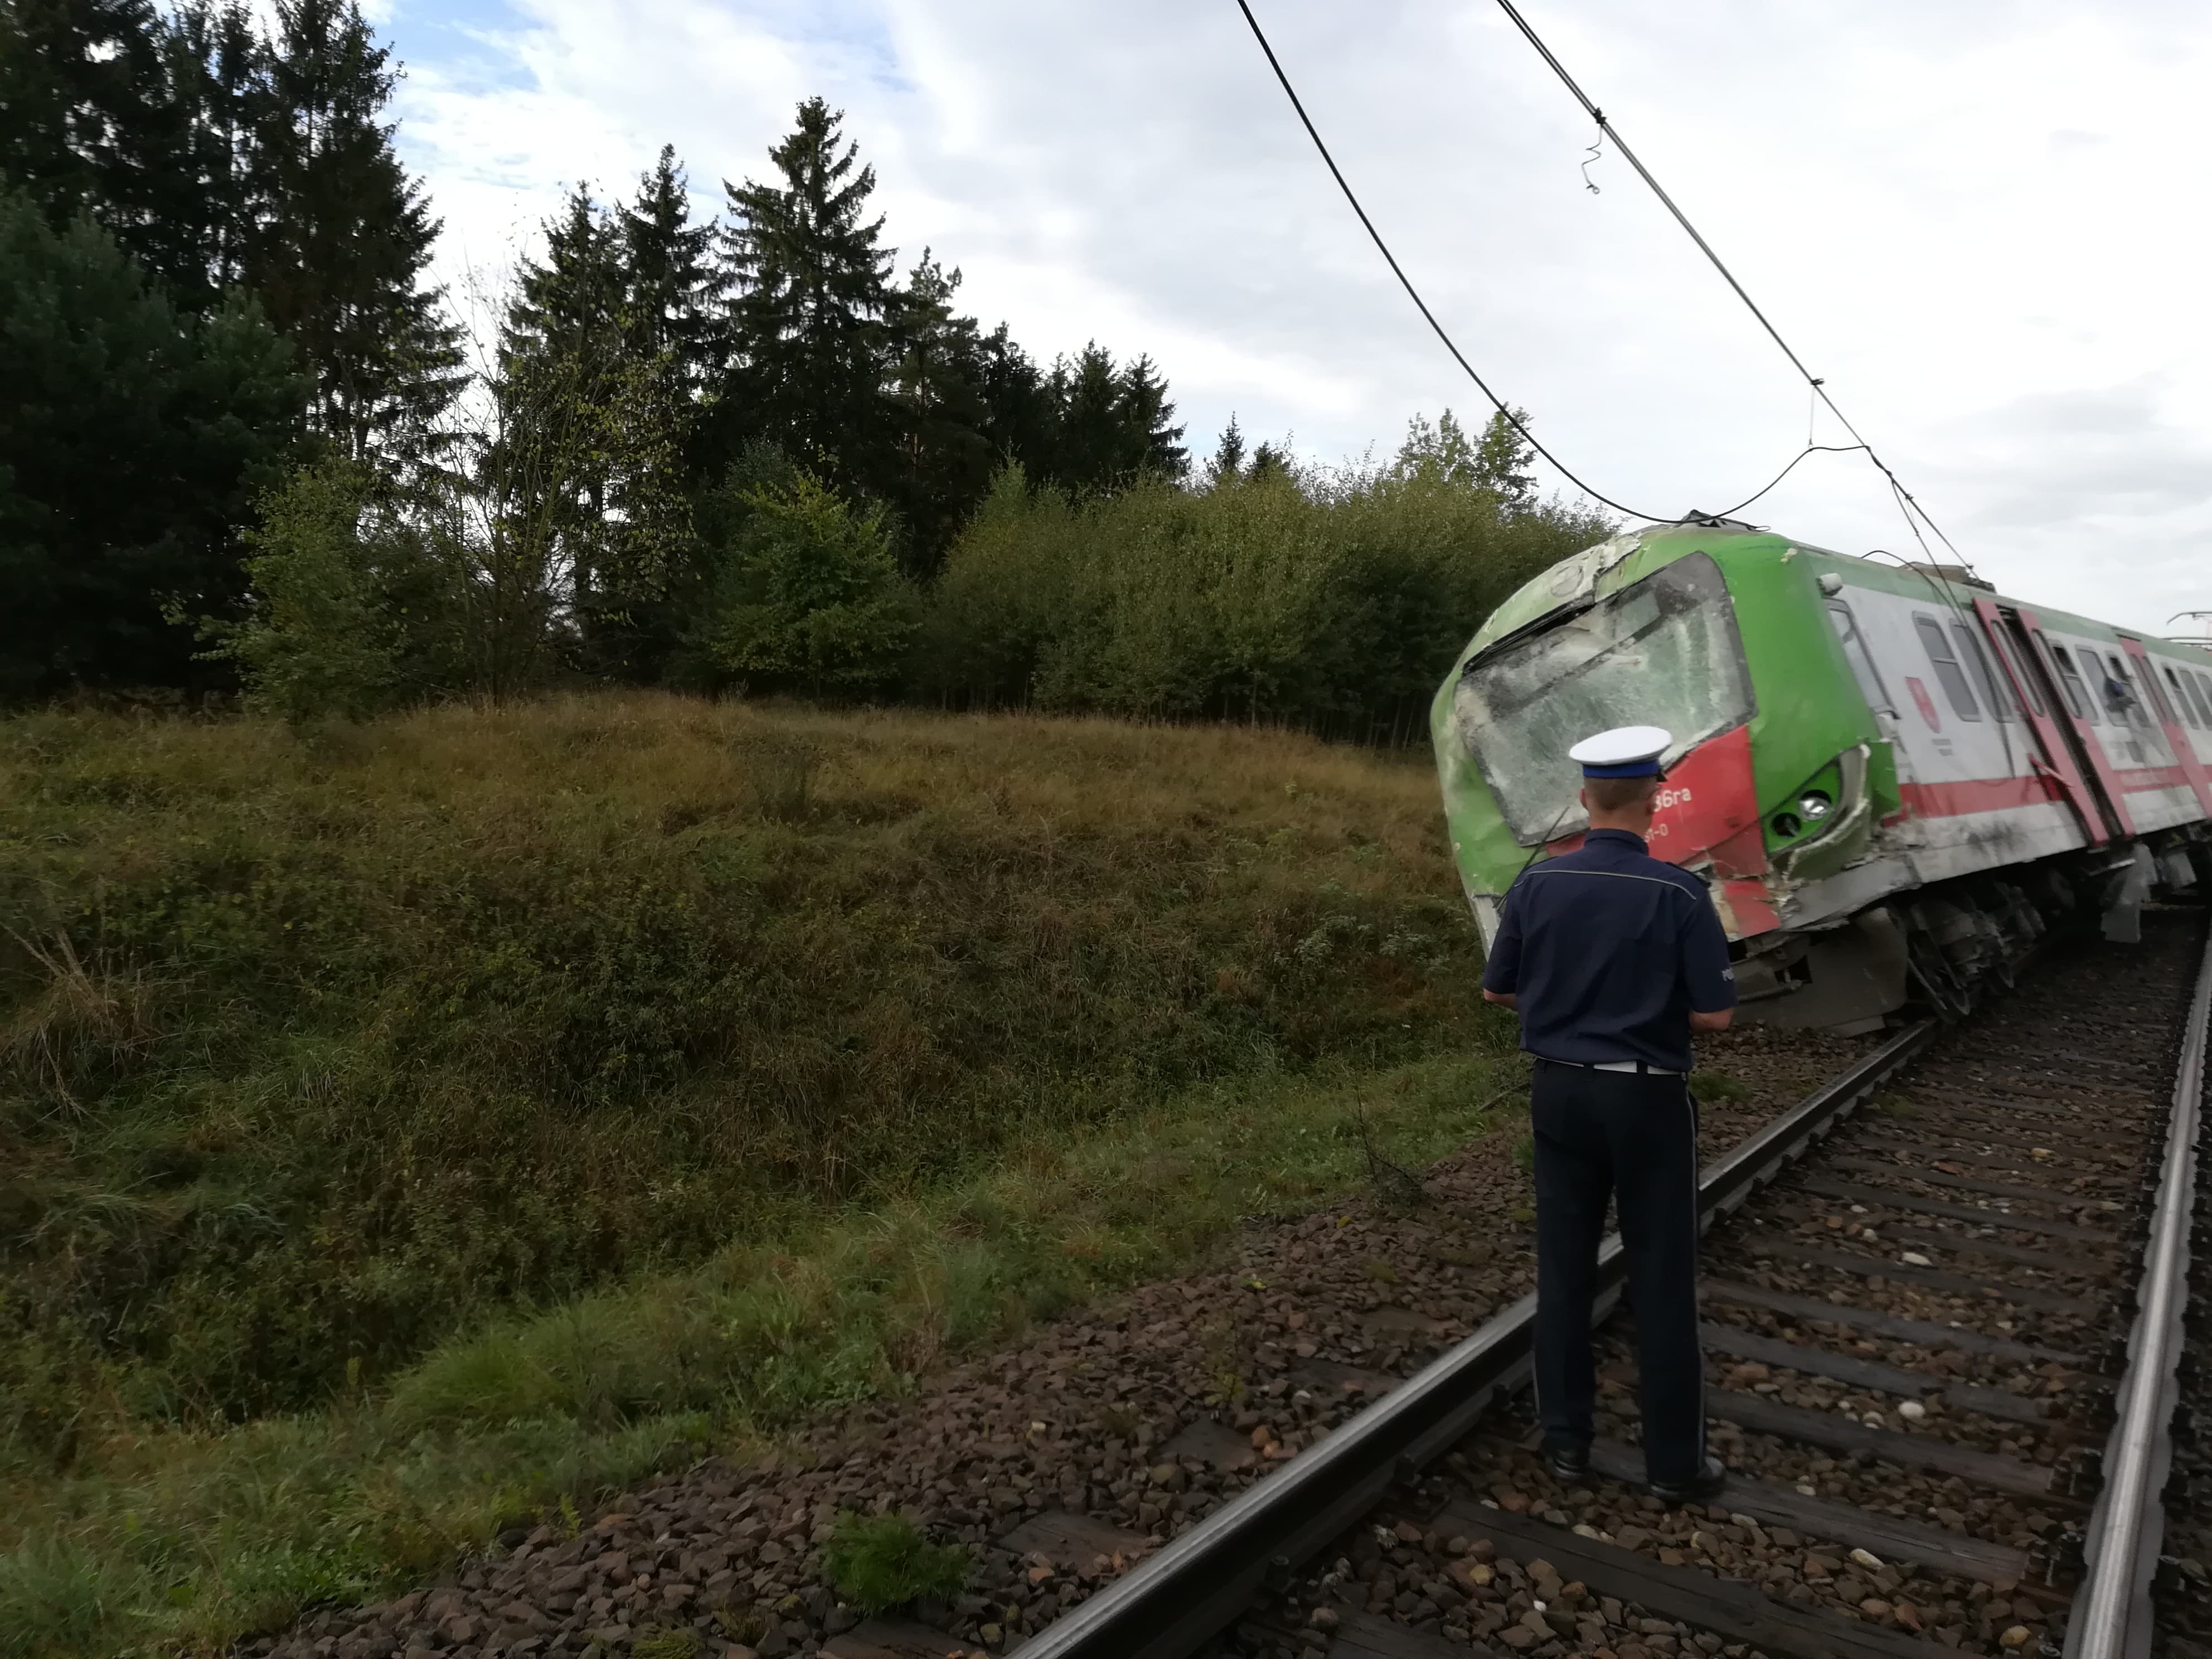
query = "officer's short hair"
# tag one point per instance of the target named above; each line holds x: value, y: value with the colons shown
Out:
x: 1611, y: 794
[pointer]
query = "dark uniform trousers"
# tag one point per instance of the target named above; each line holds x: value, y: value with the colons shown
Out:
x: 1633, y: 1138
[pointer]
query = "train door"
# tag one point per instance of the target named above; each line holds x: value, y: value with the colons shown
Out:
x: 2071, y: 752
x: 2176, y: 738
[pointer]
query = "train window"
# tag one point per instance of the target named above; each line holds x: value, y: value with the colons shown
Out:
x: 2140, y: 673
x: 2022, y: 680
x: 2120, y: 693
x: 1665, y: 649
x: 2077, y: 694
x: 1855, y: 653
x: 2145, y: 698
x: 1947, y: 668
x: 2200, y: 688
x: 2184, y: 695
x: 1998, y: 697
x: 2026, y: 682
x: 2185, y: 715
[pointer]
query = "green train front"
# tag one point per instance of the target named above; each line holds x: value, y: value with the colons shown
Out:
x: 1894, y: 779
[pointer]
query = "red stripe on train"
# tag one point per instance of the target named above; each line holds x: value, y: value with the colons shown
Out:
x: 2153, y: 777
x: 1946, y: 800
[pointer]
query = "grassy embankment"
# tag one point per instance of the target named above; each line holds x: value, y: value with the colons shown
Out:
x: 412, y: 1129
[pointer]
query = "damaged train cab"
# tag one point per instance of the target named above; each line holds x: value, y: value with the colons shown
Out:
x: 1893, y: 780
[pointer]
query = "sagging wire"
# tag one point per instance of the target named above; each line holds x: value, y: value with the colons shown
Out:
x: 1606, y: 129
x: 1449, y: 345
x: 1810, y: 448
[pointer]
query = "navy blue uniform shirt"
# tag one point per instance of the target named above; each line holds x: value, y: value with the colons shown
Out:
x: 1607, y: 950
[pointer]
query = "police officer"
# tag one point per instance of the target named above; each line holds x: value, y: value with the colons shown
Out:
x: 1613, y: 959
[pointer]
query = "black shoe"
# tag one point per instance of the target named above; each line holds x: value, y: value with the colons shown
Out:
x: 1570, y: 1465
x: 1701, y: 1488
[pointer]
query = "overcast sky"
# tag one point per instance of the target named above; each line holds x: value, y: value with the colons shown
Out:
x: 1983, y: 222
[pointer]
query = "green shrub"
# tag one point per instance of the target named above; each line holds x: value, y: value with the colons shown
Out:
x: 809, y: 597
x: 1331, y: 601
x: 364, y: 600
x: 878, y: 1562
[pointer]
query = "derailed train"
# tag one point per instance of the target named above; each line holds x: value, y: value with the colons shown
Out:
x: 1894, y: 779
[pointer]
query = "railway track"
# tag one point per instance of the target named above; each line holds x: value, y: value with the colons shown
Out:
x: 1942, y: 1312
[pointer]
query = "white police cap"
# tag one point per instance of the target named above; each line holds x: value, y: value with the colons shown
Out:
x: 1627, y: 752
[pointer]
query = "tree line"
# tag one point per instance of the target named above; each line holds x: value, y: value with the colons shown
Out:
x: 249, y: 446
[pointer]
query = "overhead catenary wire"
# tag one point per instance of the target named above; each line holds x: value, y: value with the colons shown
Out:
x: 1504, y: 410
x: 1906, y: 499
x: 1430, y: 316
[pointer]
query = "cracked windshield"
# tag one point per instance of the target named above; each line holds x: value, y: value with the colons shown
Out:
x: 1662, y: 653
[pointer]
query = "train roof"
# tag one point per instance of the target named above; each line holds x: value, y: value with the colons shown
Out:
x: 1635, y: 553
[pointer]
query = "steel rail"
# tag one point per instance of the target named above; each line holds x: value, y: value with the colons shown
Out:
x: 1172, y: 1604
x: 2111, y: 1608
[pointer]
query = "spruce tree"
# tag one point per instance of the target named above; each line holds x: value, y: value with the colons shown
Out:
x: 217, y: 157
x: 344, y: 237
x: 560, y: 362
x: 945, y: 455
x: 809, y: 325
x: 1021, y: 415
x: 567, y: 307
x: 1113, y: 422
x: 89, y: 123
x: 1092, y: 451
x: 598, y: 407
x: 1269, y: 460
x: 1227, y: 467
x: 1146, y: 413
x: 133, y: 439
x: 218, y: 72
x: 674, y: 289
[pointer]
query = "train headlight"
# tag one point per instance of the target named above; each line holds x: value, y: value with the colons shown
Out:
x: 1815, y: 804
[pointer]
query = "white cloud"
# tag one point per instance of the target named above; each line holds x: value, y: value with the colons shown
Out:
x: 1977, y: 222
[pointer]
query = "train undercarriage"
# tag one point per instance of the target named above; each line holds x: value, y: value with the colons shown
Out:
x: 1941, y: 947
